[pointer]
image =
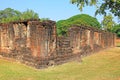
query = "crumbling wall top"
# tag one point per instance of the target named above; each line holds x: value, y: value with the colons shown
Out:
x: 77, y: 27
x: 32, y: 22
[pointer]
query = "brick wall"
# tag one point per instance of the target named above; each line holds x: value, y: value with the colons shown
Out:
x: 84, y: 39
x: 36, y: 43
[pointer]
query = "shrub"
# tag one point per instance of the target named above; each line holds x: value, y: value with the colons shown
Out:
x: 81, y: 19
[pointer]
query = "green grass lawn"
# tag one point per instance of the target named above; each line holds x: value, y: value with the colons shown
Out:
x: 104, y: 65
x: 118, y: 42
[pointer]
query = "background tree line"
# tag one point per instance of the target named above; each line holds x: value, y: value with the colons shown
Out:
x: 103, y: 7
x: 10, y: 15
x: 111, y: 5
x: 80, y: 19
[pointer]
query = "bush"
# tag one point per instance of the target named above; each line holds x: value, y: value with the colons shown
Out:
x: 11, y: 15
x: 81, y: 19
x: 116, y: 29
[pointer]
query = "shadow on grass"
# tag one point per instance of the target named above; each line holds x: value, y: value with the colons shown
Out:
x: 118, y: 46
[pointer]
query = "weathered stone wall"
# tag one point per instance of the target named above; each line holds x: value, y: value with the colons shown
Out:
x: 28, y: 39
x: 36, y: 44
x: 84, y: 39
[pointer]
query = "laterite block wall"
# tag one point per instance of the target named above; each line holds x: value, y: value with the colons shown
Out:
x: 36, y: 43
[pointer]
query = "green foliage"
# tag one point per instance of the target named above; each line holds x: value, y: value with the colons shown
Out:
x: 81, y: 19
x: 44, y: 19
x: 108, y: 22
x: 111, y: 5
x: 8, y: 12
x: 10, y: 15
x: 29, y: 14
x: 116, y: 29
x: 82, y: 3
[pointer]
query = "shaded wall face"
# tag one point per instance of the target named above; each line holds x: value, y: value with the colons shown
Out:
x: 39, y: 38
x: 12, y: 36
x: 79, y: 38
x: 42, y: 39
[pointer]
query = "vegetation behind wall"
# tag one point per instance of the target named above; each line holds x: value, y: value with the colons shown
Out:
x: 80, y: 19
x: 11, y: 15
x: 116, y: 29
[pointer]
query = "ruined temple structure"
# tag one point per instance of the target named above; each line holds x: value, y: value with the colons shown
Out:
x: 36, y: 43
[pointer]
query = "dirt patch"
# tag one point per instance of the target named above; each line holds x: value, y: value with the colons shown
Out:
x: 118, y: 40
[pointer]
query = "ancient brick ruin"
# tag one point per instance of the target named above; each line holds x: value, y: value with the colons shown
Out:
x: 36, y: 43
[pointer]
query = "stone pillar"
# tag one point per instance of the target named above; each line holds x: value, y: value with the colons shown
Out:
x: 88, y: 37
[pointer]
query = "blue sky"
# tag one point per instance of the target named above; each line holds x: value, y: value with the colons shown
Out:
x: 53, y: 9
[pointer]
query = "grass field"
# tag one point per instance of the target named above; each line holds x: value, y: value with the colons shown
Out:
x: 118, y: 42
x: 104, y: 65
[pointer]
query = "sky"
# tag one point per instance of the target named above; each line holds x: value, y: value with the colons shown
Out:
x: 52, y: 9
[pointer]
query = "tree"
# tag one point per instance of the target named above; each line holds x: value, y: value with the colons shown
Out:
x: 112, y: 5
x: 108, y: 22
x: 8, y: 12
x: 80, y: 19
x: 29, y: 14
x: 82, y: 3
x: 10, y: 15
x: 116, y: 29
